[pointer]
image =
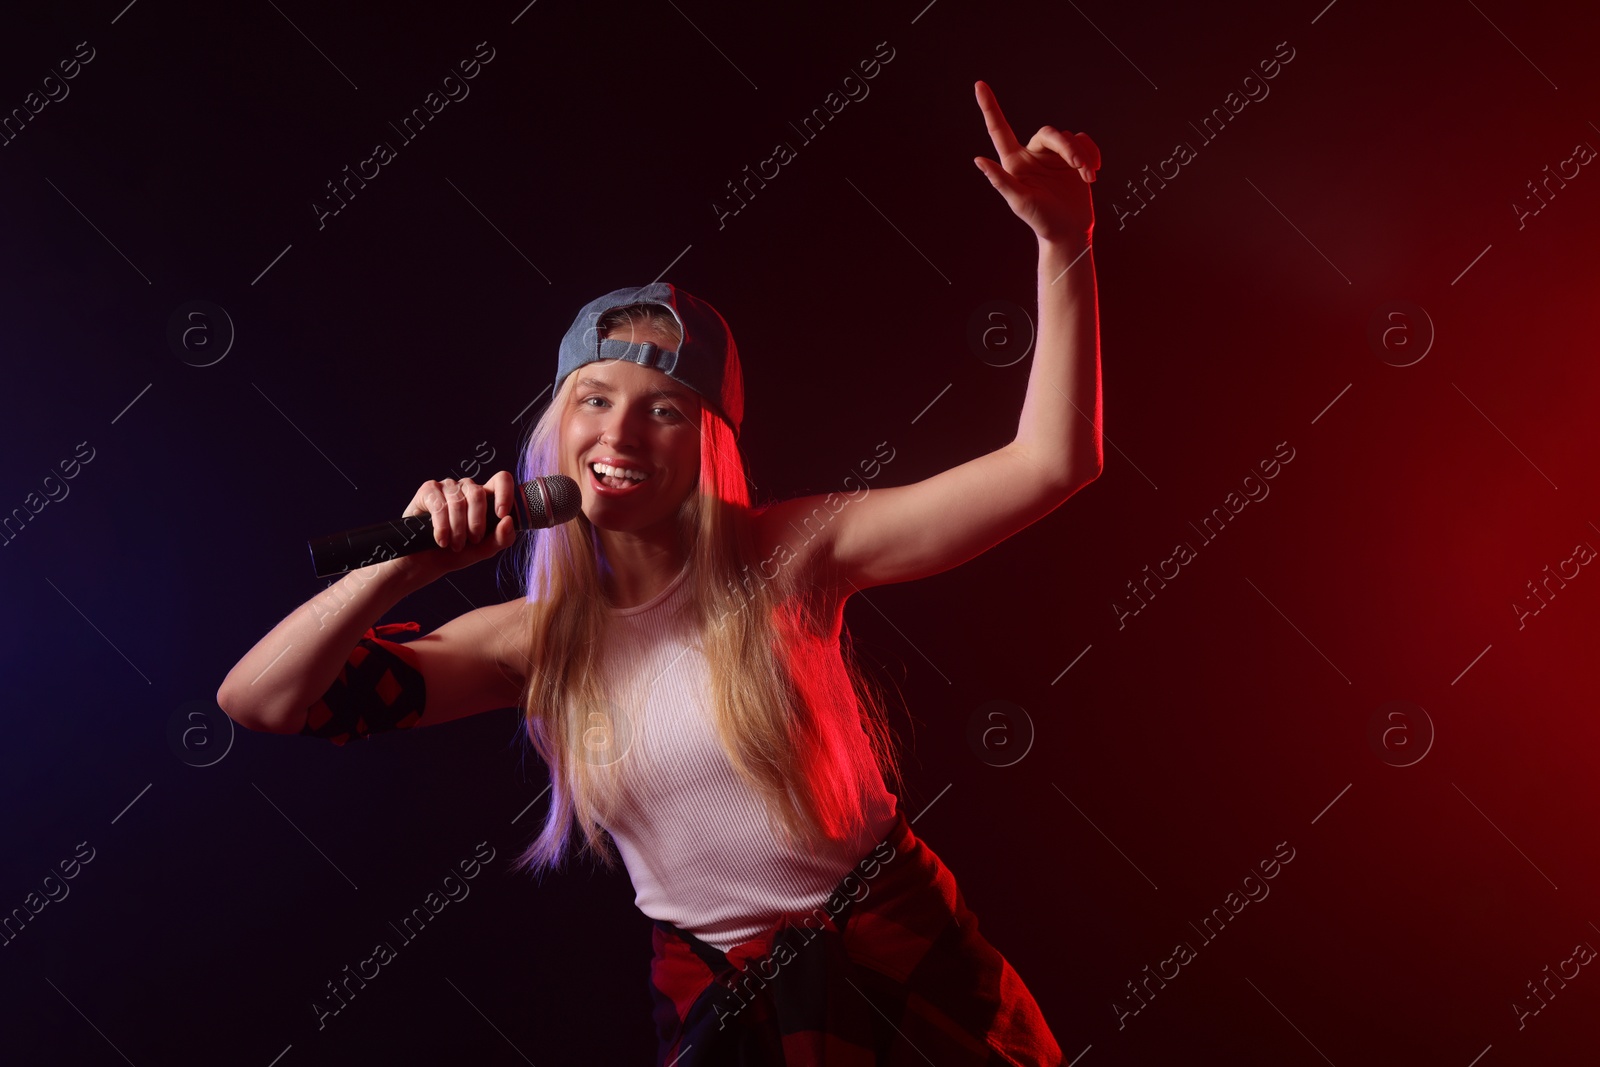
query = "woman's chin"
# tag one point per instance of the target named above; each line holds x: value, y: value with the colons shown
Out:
x: 615, y: 517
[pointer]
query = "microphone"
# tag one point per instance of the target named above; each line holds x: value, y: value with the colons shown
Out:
x: 539, y: 504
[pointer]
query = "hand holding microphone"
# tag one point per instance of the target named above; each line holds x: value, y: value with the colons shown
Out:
x: 466, y: 522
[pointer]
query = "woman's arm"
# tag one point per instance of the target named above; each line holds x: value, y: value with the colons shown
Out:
x: 905, y: 532
x: 468, y: 663
x: 275, y: 683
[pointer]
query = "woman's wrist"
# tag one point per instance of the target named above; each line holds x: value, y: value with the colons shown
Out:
x: 1069, y: 247
x: 398, y: 577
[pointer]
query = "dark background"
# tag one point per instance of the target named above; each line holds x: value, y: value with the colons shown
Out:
x: 1247, y: 705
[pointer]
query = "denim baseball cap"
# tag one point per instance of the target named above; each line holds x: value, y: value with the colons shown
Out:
x: 707, y: 360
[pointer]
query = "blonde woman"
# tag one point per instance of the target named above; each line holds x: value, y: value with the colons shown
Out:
x: 681, y: 664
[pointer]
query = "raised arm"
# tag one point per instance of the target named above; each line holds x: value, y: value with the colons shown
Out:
x: 899, y: 533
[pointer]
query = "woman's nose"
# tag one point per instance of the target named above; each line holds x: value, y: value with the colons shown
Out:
x: 621, y: 427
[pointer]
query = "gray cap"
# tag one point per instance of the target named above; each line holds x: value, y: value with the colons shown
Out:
x: 707, y: 360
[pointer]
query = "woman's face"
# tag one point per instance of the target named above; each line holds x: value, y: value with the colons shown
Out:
x: 638, y: 419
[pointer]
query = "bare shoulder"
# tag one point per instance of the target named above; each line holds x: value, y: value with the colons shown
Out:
x: 475, y: 662
x: 798, y: 533
x: 503, y: 627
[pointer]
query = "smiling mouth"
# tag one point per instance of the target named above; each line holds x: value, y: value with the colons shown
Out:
x: 616, y: 478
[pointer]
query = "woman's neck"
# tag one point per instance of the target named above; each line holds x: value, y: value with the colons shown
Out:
x: 635, y: 568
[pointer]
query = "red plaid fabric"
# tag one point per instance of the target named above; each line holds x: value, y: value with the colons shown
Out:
x: 891, y: 970
x: 379, y: 688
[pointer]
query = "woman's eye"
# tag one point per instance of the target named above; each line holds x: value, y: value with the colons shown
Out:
x: 660, y: 410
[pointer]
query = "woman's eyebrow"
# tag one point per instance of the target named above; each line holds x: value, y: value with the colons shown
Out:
x: 605, y: 387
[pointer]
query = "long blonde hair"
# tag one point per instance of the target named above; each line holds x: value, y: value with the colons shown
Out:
x: 776, y: 679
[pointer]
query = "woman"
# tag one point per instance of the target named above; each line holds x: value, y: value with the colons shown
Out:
x: 680, y: 664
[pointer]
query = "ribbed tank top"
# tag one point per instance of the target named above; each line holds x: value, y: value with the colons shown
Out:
x: 693, y: 836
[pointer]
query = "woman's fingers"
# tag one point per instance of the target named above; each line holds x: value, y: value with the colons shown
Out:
x: 504, y: 487
x: 1005, y: 142
x: 450, y: 503
x: 1081, y: 153
x: 1088, y: 149
x: 456, y: 513
x: 461, y: 509
x: 429, y: 500
x: 504, y: 532
x: 477, y: 509
x: 463, y: 521
x: 1077, y: 149
x: 472, y: 520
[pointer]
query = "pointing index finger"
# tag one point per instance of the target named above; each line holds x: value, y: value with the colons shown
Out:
x: 1005, y: 142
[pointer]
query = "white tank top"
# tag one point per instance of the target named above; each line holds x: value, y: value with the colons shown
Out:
x: 693, y: 835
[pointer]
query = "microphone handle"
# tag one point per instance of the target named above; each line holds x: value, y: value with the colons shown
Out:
x: 348, y: 550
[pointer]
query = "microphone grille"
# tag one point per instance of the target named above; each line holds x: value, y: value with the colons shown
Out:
x: 564, y: 496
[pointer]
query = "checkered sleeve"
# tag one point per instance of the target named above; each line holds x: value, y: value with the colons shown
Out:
x: 379, y: 688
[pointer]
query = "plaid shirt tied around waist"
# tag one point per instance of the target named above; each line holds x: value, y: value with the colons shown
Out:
x: 890, y: 970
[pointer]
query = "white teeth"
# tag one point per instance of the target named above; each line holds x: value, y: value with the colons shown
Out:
x: 618, y: 472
